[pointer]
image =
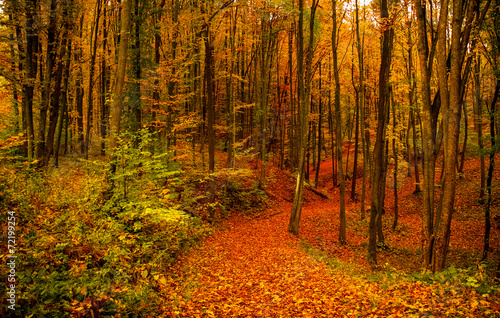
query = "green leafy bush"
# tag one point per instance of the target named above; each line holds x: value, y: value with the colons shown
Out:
x: 80, y: 252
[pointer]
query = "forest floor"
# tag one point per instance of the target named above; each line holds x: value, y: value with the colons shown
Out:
x: 250, y: 266
x: 253, y: 267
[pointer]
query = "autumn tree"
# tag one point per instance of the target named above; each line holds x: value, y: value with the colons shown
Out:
x: 338, y: 123
x: 450, y: 62
x: 492, y: 38
x: 380, y: 159
x: 304, y: 88
x: 119, y: 81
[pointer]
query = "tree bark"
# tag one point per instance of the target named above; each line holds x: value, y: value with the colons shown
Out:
x: 63, y: 120
x: 30, y: 65
x: 51, y: 55
x: 338, y: 125
x: 395, y: 155
x: 428, y: 140
x: 320, y: 124
x: 380, y: 159
x: 487, y: 212
x: 93, y: 56
x: 303, y: 110
x: 55, y: 96
x: 478, y: 112
x: 117, y: 94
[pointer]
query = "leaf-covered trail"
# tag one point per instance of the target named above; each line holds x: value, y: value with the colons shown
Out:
x: 255, y: 268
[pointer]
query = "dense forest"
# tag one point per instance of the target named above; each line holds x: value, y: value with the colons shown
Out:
x: 250, y: 158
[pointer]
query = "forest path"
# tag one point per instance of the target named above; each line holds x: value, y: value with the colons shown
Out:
x: 255, y: 268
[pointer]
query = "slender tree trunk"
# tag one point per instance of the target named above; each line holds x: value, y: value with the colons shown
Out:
x: 466, y: 136
x: 267, y: 46
x: 79, y: 93
x: 210, y: 108
x: 231, y: 115
x: 303, y: 110
x: 338, y: 125
x: 487, y: 211
x: 63, y: 121
x: 320, y: 124
x: 428, y: 139
x: 15, y: 62
x: 171, y: 118
x: 117, y: 94
x: 395, y: 155
x: 136, y: 103
x: 365, y: 134
x: 51, y: 55
x: 356, y: 151
x: 30, y: 65
x: 332, y: 132
x: 104, y: 87
x: 157, y: 47
x: 416, y: 155
x: 380, y: 160
x: 478, y: 112
x: 292, y: 134
x: 451, y: 103
x: 93, y: 56
x: 55, y: 96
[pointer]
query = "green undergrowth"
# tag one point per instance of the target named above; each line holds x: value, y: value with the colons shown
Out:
x: 238, y: 197
x: 85, y: 247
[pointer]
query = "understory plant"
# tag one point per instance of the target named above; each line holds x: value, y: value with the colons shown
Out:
x: 81, y: 254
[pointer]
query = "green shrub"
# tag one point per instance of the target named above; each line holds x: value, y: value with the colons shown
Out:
x: 79, y: 250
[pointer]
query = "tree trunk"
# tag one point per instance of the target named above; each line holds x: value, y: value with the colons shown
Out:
x: 231, y: 113
x: 493, y: 150
x: 63, y: 121
x: 466, y: 135
x: 303, y: 109
x: 93, y: 56
x: 395, y: 155
x: 79, y: 93
x: 356, y: 151
x: 117, y: 94
x: 55, y: 100
x: 51, y: 55
x: 104, y: 87
x: 478, y: 112
x: 30, y: 65
x: 338, y: 125
x: 137, y: 70
x: 320, y: 123
x: 451, y: 103
x: 365, y: 135
x: 380, y: 159
x: 267, y: 46
x: 428, y: 139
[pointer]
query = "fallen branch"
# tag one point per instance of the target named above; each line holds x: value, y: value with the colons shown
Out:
x: 321, y: 194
